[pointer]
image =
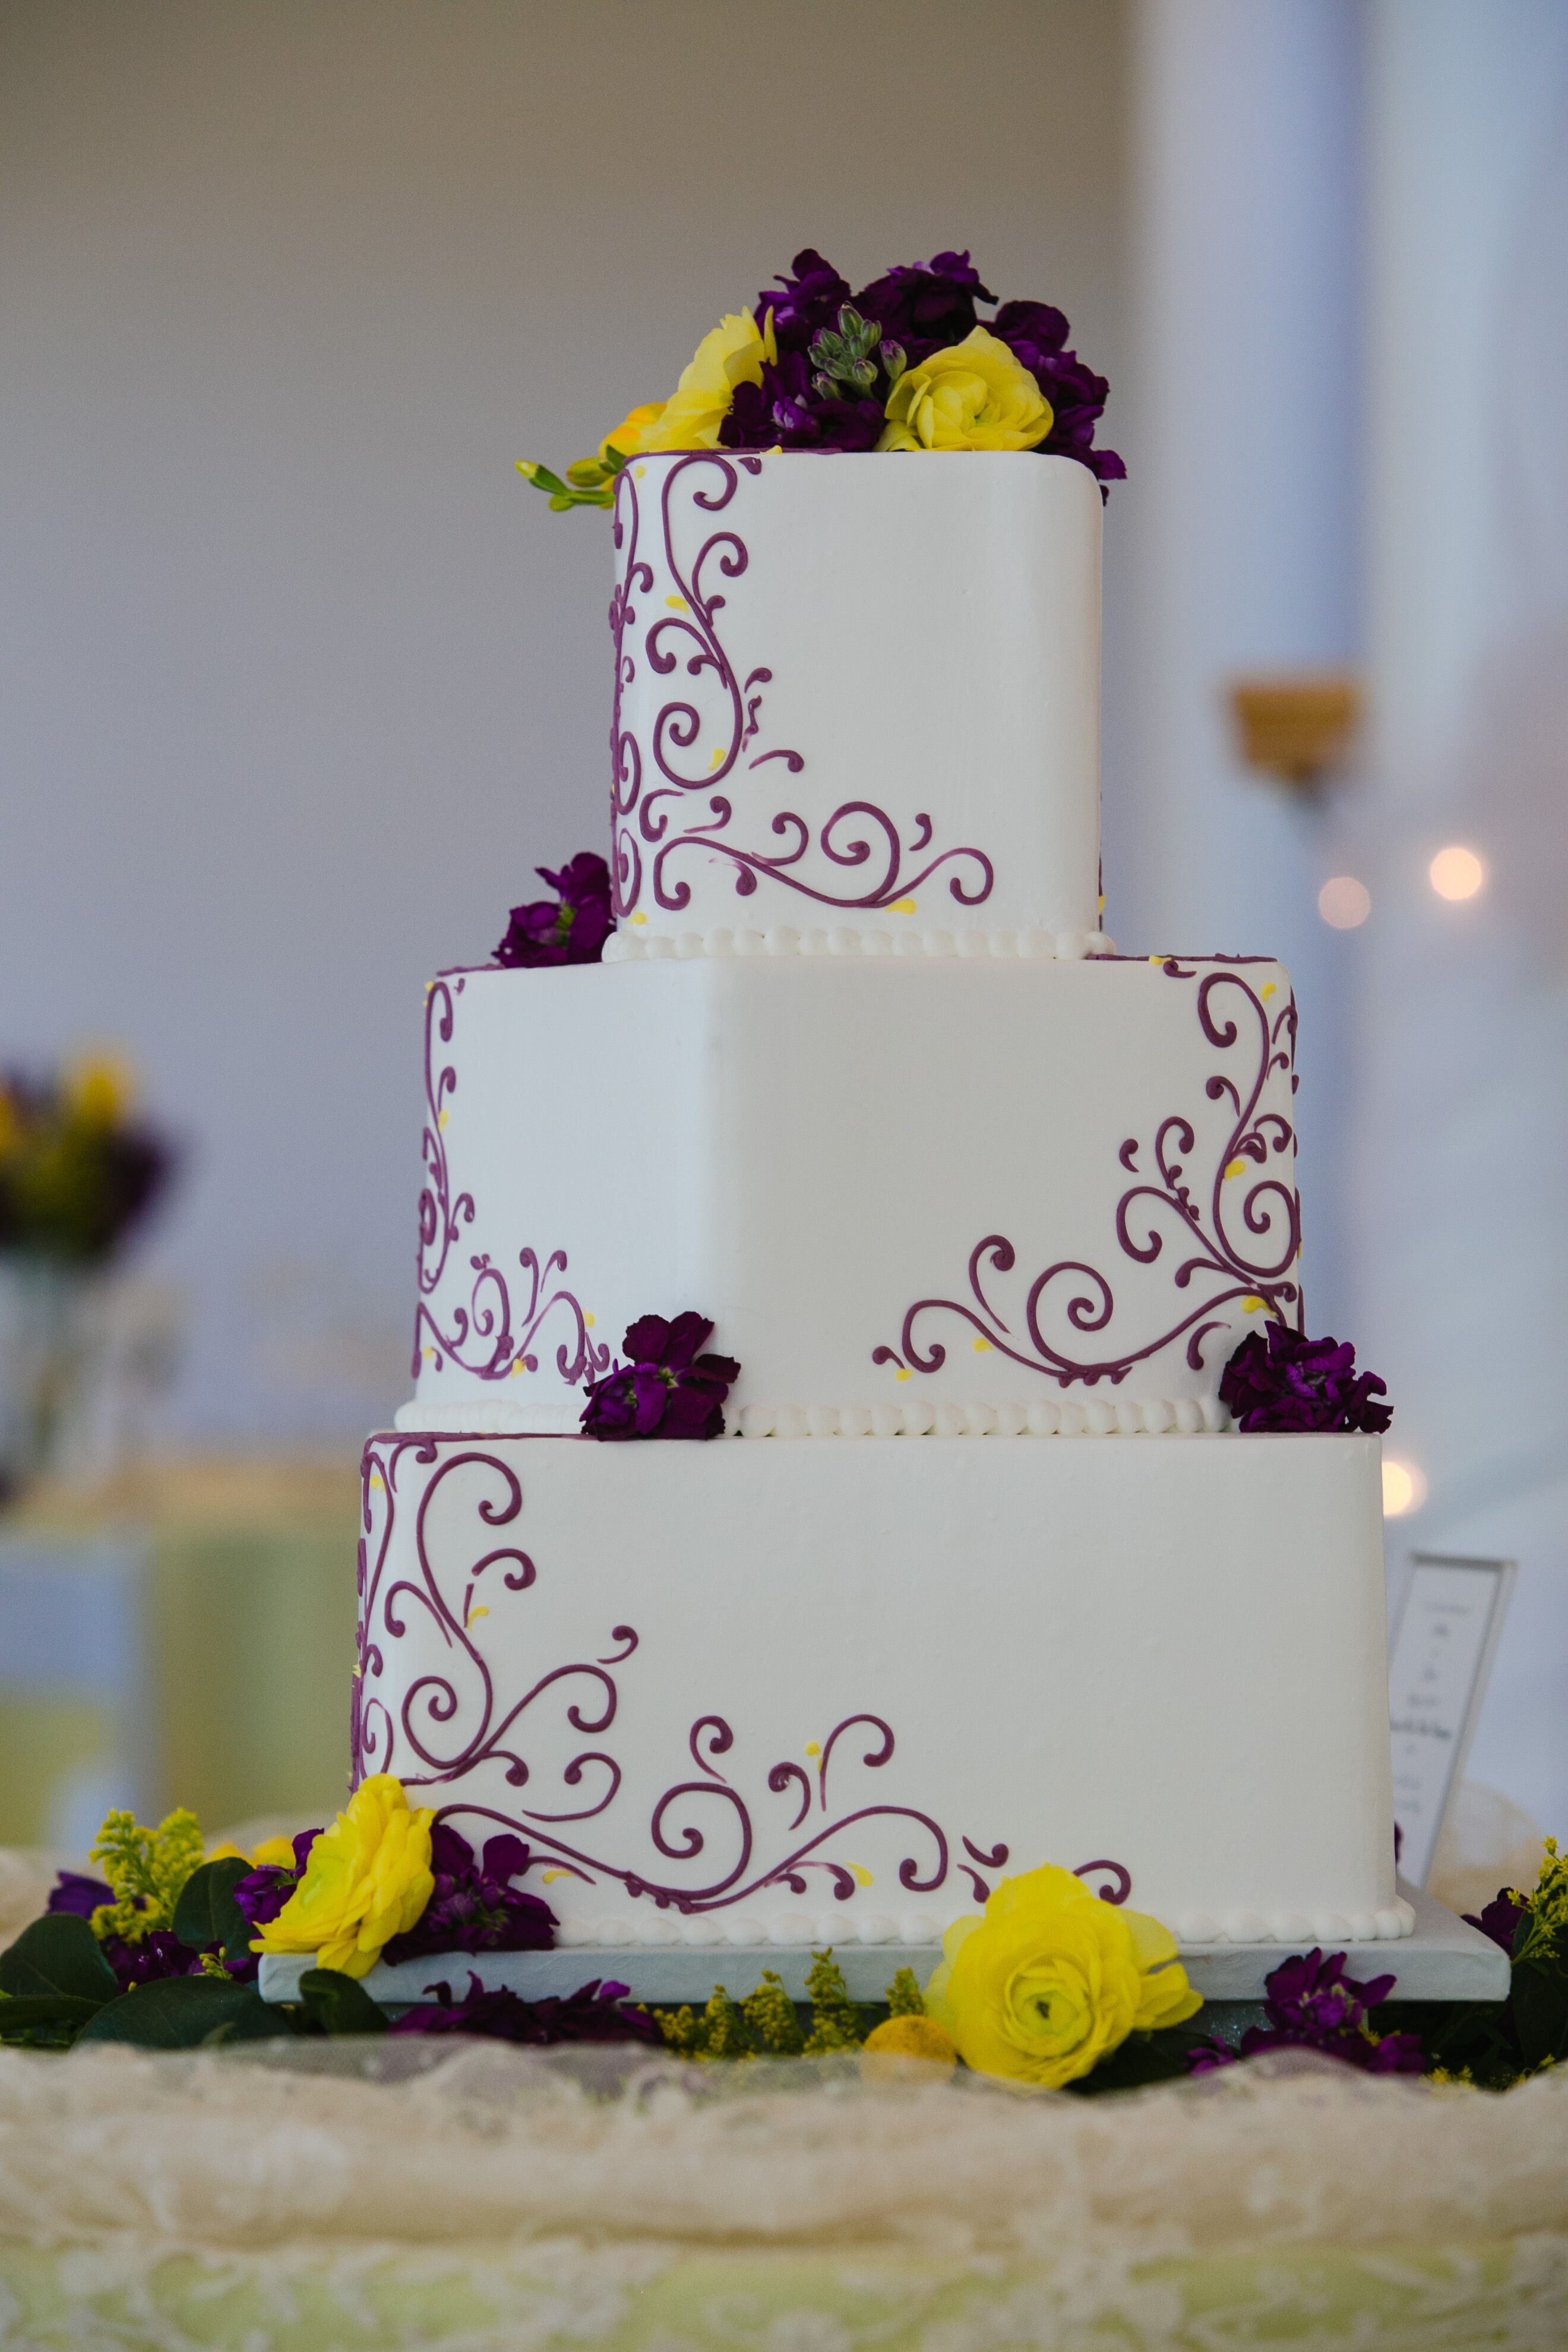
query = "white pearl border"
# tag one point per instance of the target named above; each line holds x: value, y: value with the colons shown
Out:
x: 1100, y: 1417
x: 634, y: 945
x: 1194, y: 1931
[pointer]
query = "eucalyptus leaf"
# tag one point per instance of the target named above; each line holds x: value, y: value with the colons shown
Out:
x: 57, y: 1955
x: 207, y: 1912
x: 183, y: 2013
x: 56, y: 2014
x: 339, y: 2004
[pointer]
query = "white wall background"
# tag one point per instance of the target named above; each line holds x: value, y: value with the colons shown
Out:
x: 298, y: 681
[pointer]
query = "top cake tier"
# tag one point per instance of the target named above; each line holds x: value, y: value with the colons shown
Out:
x: 856, y: 695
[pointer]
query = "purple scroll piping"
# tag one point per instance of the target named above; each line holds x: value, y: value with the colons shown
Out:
x: 492, y: 1333
x: 665, y: 800
x: 1238, y: 1244
x: 449, y: 1723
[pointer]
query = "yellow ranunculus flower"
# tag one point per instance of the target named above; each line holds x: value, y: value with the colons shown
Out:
x: 1051, y: 1979
x: 368, y: 1880
x: 975, y: 396
x: 733, y: 353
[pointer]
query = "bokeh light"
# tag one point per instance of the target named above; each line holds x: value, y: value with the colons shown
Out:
x: 1403, y: 1489
x: 1456, y: 872
x: 1343, y: 902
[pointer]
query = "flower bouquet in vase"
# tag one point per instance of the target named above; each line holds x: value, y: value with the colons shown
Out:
x: 79, y: 1172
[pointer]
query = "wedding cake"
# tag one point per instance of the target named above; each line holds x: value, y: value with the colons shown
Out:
x: 979, y: 1571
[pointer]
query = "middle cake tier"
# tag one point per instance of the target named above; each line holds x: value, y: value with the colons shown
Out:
x: 914, y: 1197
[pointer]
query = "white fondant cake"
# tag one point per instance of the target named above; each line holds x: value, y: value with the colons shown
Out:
x: 856, y: 695
x: 862, y: 1080
x: 818, y: 1693
x: 904, y: 1193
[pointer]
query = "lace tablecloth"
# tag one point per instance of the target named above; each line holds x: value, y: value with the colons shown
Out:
x: 472, y: 2195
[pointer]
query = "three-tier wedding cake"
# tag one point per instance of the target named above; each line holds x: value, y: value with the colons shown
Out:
x: 980, y: 1574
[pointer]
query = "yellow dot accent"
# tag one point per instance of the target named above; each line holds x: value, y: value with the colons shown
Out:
x: 1253, y: 1306
x: 517, y: 1367
x: 430, y: 1352
x: 551, y: 1875
x: 902, y: 906
x: 1160, y: 959
x: 678, y: 604
x: 442, y: 1120
x: 983, y: 1348
x: 589, y: 1321
x: 480, y: 1612
x: 902, y: 1374
x: 860, y: 1875
x: 1269, y: 989
x: 641, y: 471
x: 1237, y: 1168
x: 813, y: 1748
x: 639, y: 917
x: 717, y: 758
x: 377, y: 1485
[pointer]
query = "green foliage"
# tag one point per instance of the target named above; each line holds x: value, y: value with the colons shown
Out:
x: 205, y: 1912
x: 590, y: 482
x: 905, y: 1998
x: 186, y: 2013
x: 146, y: 1870
x: 836, y: 2022
x: 58, y: 1958
x: 335, y: 2004
x: 1143, y: 2058
x: 846, y: 363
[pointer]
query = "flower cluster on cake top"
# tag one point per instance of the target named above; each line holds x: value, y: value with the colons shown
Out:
x: 1288, y: 1382
x: 907, y: 363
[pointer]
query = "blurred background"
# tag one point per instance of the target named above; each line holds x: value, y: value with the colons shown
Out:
x: 299, y: 682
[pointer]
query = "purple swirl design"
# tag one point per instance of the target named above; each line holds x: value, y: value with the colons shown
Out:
x: 700, y: 1819
x: 1229, y: 1248
x: 665, y: 801
x: 493, y: 1333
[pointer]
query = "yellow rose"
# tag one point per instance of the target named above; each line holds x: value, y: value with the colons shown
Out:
x: 368, y: 1880
x: 733, y: 353
x: 974, y: 395
x: 1051, y: 1979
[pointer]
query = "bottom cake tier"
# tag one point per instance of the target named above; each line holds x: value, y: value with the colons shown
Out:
x: 794, y: 1693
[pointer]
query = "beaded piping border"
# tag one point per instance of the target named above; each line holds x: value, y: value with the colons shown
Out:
x: 921, y: 1417
x: 628, y: 945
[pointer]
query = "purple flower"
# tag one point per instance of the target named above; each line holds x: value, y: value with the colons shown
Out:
x: 152, y: 1958
x: 1037, y: 333
x: 264, y: 1893
x: 569, y: 928
x: 474, y: 1909
x: 803, y: 304
x: 925, y: 307
x: 1287, y: 1382
x: 1500, y: 1918
x: 1312, y: 2004
x: 666, y: 1388
x: 594, y: 2013
x: 786, y: 410
x: 72, y: 1892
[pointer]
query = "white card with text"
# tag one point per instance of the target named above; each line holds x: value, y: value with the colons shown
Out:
x: 1444, y: 1644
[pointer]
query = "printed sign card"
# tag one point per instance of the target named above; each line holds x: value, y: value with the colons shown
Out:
x: 1442, y: 1655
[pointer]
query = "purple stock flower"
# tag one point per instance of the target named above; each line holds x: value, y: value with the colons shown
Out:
x: 786, y: 410
x: 473, y: 1908
x: 801, y: 305
x: 1287, y: 1382
x: 264, y: 1893
x: 666, y: 1388
x: 72, y: 1892
x: 569, y: 928
x: 1037, y: 333
x: 1312, y: 2004
x: 1500, y: 1918
x: 925, y: 305
x: 593, y: 2013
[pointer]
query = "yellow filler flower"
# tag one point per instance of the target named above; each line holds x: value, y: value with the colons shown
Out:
x: 368, y: 1880
x: 1051, y: 1979
x: 974, y: 395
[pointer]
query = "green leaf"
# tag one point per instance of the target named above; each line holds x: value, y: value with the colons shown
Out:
x: 59, y: 1954
x: 207, y: 1912
x: 543, y: 478
x: 56, y: 2014
x: 1143, y: 2058
x: 1540, y: 2010
x: 183, y: 2013
x: 339, y: 2004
